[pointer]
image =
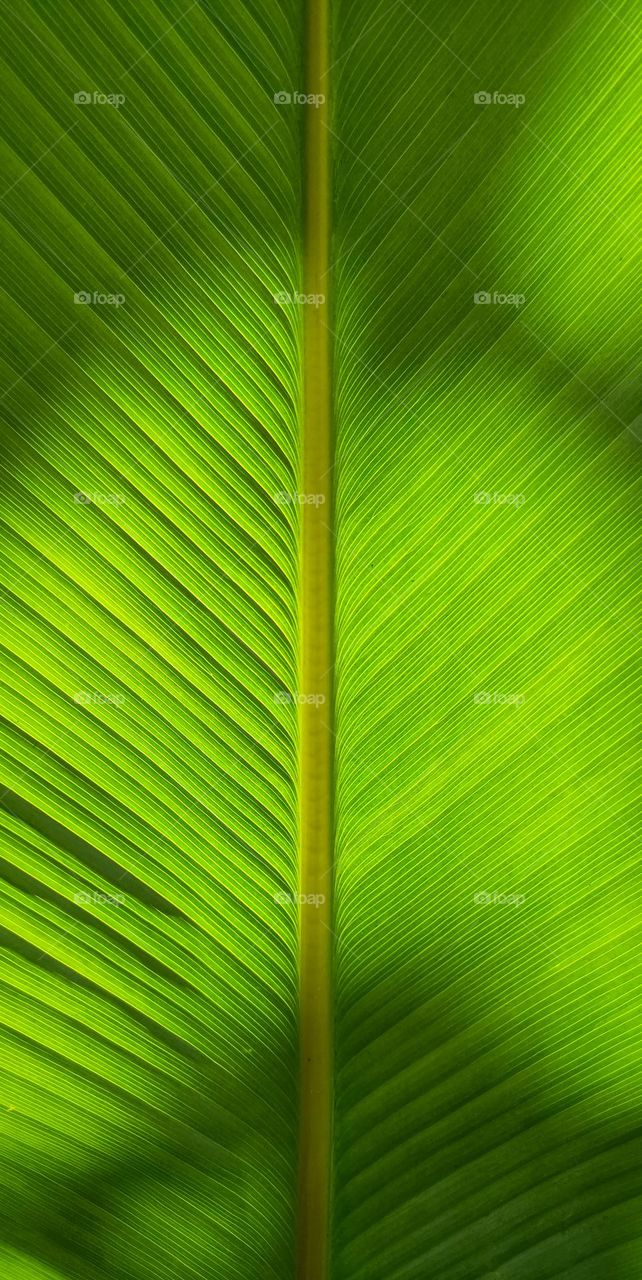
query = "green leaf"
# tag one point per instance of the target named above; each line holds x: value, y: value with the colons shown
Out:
x: 150, y: 601
x: 178, y: 776
x: 487, y: 911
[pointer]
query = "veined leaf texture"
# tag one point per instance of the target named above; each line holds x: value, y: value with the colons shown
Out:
x: 321, y: 450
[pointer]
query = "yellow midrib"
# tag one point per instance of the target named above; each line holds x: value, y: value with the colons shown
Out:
x: 316, y: 662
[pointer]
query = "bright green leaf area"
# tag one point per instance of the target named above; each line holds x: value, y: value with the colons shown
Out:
x: 149, y: 979
x: 489, y: 484
x: 488, y: 477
